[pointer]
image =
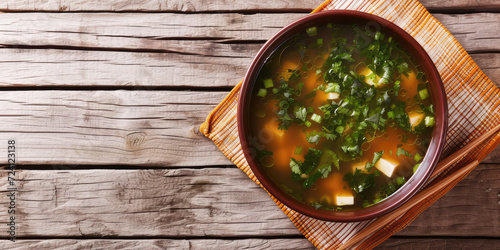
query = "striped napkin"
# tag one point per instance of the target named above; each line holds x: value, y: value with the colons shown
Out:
x: 474, y: 108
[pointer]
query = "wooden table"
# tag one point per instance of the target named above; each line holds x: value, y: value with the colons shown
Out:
x: 104, y: 100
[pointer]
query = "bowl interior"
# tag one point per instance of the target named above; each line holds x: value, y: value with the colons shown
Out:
x: 437, y: 94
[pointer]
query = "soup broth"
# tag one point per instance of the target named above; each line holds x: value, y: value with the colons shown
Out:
x: 341, y: 117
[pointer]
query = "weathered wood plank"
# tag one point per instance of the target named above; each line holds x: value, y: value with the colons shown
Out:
x: 214, y: 5
x: 42, y: 67
x: 143, y: 128
x: 439, y: 243
x: 170, y: 49
x: 48, y: 67
x: 152, y: 128
x: 173, y: 203
x: 162, y: 31
x: 493, y: 157
x: 475, y: 32
x: 391, y: 243
x: 471, y: 208
x: 221, y: 202
x: 193, y: 244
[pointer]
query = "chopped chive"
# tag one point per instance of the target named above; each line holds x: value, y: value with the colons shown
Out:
x: 389, y: 39
x: 339, y: 129
x: 319, y: 41
x: 307, y: 123
x: 423, y: 94
x: 416, y: 167
x: 268, y: 161
x: 366, y: 203
x: 333, y: 87
x: 298, y: 150
x: 316, y: 118
x: 417, y: 157
x: 329, y: 26
x: 429, y: 121
x: 312, y: 31
x: 262, y: 92
x: 259, y: 113
x: 377, y: 200
x: 391, y: 115
x: 400, y: 180
x: 397, y: 86
x: 275, y: 90
x: 268, y: 83
x: 379, y: 36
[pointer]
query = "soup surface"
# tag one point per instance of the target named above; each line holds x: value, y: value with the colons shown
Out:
x: 340, y: 117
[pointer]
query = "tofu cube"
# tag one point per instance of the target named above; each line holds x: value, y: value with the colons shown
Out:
x: 344, y: 200
x: 386, y: 167
x: 271, y: 127
x: 333, y: 96
x: 416, y: 118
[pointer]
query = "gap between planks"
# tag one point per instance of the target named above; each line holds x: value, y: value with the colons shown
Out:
x: 117, y: 50
x: 254, y: 243
x: 133, y: 128
x: 216, y: 5
x: 208, y: 203
x: 200, y: 34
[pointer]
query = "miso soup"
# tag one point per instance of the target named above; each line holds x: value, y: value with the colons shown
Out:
x: 341, y: 116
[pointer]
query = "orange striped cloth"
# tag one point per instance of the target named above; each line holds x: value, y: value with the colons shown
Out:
x: 473, y: 102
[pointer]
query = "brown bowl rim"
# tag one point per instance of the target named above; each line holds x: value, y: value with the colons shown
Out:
x: 438, y: 95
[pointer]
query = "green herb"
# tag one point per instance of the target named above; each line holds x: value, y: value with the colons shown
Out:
x: 333, y: 87
x: 262, y: 92
x: 301, y: 113
x: 402, y: 151
x: 417, y: 157
x: 359, y: 182
x: 400, y: 180
x: 429, y: 121
x: 397, y: 86
x: 313, y: 137
x: 298, y: 151
x: 316, y: 118
x: 376, y: 157
x: 416, y: 167
x: 312, y: 31
x: 268, y: 83
x: 295, y: 166
x: 401, y: 118
x: 423, y: 94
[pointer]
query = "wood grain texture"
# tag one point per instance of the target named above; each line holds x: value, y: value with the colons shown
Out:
x: 438, y: 243
x: 476, y: 32
x: 254, y: 243
x: 168, y: 49
x: 192, y: 244
x: 149, y: 128
x: 221, y: 202
x: 140, y: 128
x: 141, y: 71
x: 213, y: 5
x: 165, y: 32
x: 63, y: 68
x: 171, y: 203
